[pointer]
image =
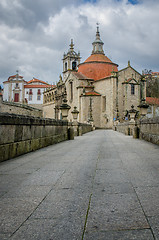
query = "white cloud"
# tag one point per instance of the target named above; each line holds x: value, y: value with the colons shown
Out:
x: 128, y: 31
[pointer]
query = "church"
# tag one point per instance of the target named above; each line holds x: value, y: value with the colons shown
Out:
x: 100, y: 92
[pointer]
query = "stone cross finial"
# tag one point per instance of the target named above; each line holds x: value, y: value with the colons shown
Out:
x: 71, y: 45
x: 60, y: 79
x: 17, y: 75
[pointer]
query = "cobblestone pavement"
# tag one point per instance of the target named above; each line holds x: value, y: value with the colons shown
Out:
x: 103, y: 185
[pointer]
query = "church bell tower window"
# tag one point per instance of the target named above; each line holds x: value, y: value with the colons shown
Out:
x: 74, y: 65
x: 66, y: 66
x: 71, y: 91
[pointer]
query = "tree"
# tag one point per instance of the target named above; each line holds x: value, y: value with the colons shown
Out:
x: 152, y: 83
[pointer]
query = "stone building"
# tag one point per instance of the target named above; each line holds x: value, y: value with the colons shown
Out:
x: 100, y: 92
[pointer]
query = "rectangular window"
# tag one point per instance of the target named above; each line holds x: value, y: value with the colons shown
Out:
x: 71, y: 91
x: 30, y: 97
x: 39, y: 92
x: 30, y: 92
x: 38, y: 97
x: 104, y: 103
x: 132, y: 89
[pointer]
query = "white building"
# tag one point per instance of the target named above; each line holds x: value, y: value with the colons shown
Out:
x: 16, y: 89
x: 34, y: 91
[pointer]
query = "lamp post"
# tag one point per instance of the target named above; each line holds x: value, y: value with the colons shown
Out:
x: 143, y: 108
x: 132, y: 113
x: 64, y: 109
x: 75, y: 113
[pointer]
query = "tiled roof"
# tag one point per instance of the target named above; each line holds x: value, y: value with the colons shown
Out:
x: 81, y: 76
x: 37, y: 80
x: 38, y: 86
x: 98, y: 58
x: 14, y: 76
x: 155, y: 73
x: 97, y: 66
x: 152, y: 101
x: 92, y: 94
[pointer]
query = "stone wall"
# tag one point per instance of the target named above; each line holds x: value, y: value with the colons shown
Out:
x: 126, y: 128
x: 146, y: 129
x: 21, y: 134
x: 17, y: 108
x: 149, y: 129
x: 84, y: 128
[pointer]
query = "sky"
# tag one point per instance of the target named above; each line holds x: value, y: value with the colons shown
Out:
x: 34, y: 34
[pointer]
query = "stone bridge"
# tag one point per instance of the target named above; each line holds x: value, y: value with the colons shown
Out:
x: 102, y: 185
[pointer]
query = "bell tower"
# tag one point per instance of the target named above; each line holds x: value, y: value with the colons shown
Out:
x: 71, y: 60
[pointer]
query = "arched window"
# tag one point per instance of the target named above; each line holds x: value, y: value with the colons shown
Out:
x: 71, y: 90
x: 66, y: 66
x: 74, y: 65
x: 132, y: 89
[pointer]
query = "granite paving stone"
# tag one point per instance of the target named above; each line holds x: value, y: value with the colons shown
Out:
x: 28, y: 191
x: 154, y: 222
x: 149, y: 195
x: 14, y: 211
x: 120, y: 235
x: 117, y: 211
x: 102, y: 185
x: 42, y: 178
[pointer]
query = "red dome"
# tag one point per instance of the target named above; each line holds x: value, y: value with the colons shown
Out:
x: 97, y: 66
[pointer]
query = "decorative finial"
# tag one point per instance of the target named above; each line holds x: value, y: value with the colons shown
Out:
x: 97, y: 44
x: 97, y: 26
x: 60, y: 77
x: 71, y: 45
x: 129, y: 63
x: 17, y: 75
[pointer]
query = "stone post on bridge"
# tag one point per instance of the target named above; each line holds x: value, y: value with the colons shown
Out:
x: 75, y: 113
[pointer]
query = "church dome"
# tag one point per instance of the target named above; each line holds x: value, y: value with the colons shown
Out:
x: 97, y: 66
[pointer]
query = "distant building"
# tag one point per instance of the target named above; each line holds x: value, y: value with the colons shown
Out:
x: 34, y: 91
x: 16, y: 89
x: 153, y: 109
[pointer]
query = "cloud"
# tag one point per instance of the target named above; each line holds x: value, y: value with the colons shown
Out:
x: 35, y: 34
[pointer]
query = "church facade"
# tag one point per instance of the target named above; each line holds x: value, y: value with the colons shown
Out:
x: 100, y: 92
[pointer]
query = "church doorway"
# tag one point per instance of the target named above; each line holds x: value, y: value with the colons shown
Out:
x: 16, y: 97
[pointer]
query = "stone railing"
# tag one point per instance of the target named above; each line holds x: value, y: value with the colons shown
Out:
x: 149, y: 129
x: 145, y: 128
x: 18, y: 108
x: 21, y: 134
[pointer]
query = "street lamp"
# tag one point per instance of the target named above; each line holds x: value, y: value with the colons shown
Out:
x: 143, y: 108
x: 64, y: 109
x: 75, y: 113
x: 132, y: 113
